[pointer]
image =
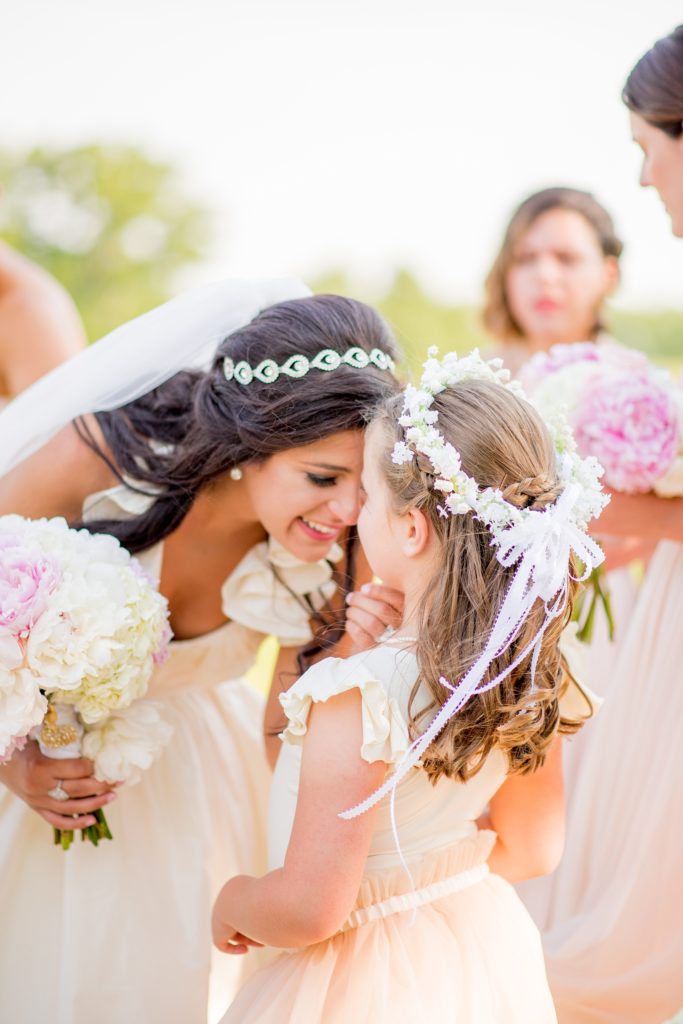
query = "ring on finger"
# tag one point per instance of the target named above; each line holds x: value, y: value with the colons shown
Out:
x: 58, y: 792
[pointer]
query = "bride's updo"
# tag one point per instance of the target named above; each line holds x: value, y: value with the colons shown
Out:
x: 197, y: 426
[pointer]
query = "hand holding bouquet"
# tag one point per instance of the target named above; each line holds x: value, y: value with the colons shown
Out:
x: 81, y: 627
x: 625, y: 411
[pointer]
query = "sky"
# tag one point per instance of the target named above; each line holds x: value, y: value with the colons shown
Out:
x: 361, y: 135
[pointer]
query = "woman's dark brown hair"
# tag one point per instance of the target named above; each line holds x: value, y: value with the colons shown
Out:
x: 654, y: 88
x: 173, y: 441
x: 497, y: 315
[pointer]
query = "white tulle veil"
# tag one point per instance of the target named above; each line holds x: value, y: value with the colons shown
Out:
x: 134, y: 359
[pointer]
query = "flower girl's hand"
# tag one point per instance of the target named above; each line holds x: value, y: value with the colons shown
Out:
x: 31, y: 776
x: 227, y: 939
x: 370, y: 611
x: 232, y: 942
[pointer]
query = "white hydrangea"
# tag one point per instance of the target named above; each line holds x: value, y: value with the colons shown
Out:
x: 22, y: 706
x: 127, y: 742
x: 92, y: 639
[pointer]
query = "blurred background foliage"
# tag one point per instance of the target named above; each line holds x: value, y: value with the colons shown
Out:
x: 112, y: 225
x: 420, y: 320
x: 116, y: 228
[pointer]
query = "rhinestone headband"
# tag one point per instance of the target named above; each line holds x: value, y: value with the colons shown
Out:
x: 268, y: 371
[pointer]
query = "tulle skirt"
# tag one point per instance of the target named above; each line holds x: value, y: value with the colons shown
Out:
x: 121, y: 934
x: 459, y: 948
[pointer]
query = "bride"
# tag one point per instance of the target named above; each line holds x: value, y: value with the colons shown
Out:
x: 220, y: 437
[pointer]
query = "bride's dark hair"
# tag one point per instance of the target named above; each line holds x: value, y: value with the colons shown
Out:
x: 173, y: 441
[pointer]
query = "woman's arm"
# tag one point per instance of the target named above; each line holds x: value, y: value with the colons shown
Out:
x: 308, y: 899
x: 39, y: 328
x: 55, y: 480
x: 644, y: 516
x: 528, y: 815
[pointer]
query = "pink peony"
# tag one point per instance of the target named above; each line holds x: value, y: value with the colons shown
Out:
x: 26, y: 581
x: 630, y: 424
x: 543, y: 364
x: 15, y: 744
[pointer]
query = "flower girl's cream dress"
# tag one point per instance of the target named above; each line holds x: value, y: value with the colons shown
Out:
x: 121, y: 934
x: 457, y: 945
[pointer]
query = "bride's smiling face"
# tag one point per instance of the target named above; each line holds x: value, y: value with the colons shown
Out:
x: 304, y: 497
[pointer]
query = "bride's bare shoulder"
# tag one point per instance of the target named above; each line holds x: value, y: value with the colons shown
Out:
x: 56, y: 479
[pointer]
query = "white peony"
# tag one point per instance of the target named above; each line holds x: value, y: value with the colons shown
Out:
x: 127, y: 742
x: 22, y: 706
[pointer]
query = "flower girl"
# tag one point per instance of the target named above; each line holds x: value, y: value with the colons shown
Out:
x: 398, y: 911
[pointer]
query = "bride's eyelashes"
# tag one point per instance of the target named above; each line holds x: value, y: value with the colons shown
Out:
x: 322, y: 481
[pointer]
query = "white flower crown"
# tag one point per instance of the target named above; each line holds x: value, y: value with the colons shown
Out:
x: 462, y: 493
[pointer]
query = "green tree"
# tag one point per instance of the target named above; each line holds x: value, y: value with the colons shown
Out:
x: 112, y: 225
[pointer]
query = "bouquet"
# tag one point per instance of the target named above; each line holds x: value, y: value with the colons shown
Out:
x: 625, y: 411
x: 81, y: 628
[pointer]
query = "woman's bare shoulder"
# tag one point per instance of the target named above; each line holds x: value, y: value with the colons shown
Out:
x: 56, y: 479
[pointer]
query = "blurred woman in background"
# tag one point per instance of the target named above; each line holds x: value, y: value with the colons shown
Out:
x: 557, y: 265
x: 39, y: 324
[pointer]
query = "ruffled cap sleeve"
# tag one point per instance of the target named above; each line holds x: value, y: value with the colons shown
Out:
x: 385, y: 733
x: 269, y: 590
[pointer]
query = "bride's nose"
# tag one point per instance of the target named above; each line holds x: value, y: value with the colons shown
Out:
x: 345, y: 505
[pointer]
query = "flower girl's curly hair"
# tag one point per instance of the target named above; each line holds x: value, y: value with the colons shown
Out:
x: 504, y: 444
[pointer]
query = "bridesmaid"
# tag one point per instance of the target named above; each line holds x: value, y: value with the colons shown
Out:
x: 616, y: 949
x: 557, y: 265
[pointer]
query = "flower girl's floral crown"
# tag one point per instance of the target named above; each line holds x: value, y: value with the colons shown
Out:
x: 537, y: 542
x: 461, y: 492
x: 268, y: 371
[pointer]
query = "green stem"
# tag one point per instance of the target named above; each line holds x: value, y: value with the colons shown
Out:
x: 93, y: 833
x: 585, y: 633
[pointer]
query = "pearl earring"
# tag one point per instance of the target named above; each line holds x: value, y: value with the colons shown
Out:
x: 235, y: 473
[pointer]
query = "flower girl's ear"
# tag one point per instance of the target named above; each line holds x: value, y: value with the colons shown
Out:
x: 417, y: 533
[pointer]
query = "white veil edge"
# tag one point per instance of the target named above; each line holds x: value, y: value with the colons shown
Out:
x: 135, y: 358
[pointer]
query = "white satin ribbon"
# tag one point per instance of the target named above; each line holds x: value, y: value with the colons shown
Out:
x: 541, y: 545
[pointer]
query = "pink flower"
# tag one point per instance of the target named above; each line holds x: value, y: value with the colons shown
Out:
x: 160, y: 656
x: 543, y: 364
x: 27, y: 579
x: 630, y: 424
x: 15, y: 744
